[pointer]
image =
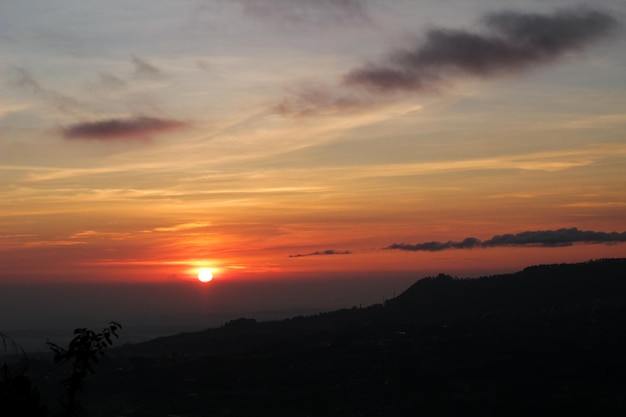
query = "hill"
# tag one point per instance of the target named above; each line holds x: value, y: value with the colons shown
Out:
x: 536, y: 289
x: 545, y: 340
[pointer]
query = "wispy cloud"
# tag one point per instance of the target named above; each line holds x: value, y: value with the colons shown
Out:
x: 321, y: 253
x: 183, y: 226
x: 40, y: 173
x: 308, y: 99
x: 594, y: 121
x: 141, y: 128
x: 47, y: 243
x: 542, y: 238
x: 110, y: 81
x: 513, y: 42
x: 306, y: 12
x: 93, y: 234
x: 595, y: 204
x: 145, y: 69
x: 64, y: 103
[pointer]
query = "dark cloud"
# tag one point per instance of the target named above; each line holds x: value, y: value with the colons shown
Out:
x: 122, y: 129
x: 306, y: 12
x: 326, y: 252
x: 542, y: 238
x: 512, y: 42
x: 145, y: 69
x: 549, y: 35
x: 468, y: 243
x: 561, y: 237
x: 24, y: 79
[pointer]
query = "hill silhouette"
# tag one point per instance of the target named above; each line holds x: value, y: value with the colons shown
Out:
x: 536, y: 289
x: 545, y: 340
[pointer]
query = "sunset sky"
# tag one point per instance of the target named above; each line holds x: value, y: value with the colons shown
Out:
x: 142, y: 140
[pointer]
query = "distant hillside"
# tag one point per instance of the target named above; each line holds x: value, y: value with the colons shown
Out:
x: 536, y: 289
x: 548, y: 340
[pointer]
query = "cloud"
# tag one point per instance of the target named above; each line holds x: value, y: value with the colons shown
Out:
x: 24, y: 79
x: 468, y: 243
x: 145, y: 69
x: 306, y: 12
x: 308, y: 99
x: 46, y: 243
x: 110, y: 81
x: 183, y: 226
x: 122, y: 129
x: 561, y: 237
x: 513, y: 42
x: 326, y: 252
x: 541, y: 238
x: 93, y: 234
x: 508, y: 43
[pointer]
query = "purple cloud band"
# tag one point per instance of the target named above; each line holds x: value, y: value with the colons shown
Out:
x: 542, y: 238
x: 321, y: 253
x: 141, y: 127
x: 512, y: 42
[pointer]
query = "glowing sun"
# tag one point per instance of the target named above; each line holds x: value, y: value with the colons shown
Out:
x: 205, y: 275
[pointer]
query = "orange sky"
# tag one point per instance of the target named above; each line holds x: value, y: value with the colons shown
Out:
x: 139, y: 144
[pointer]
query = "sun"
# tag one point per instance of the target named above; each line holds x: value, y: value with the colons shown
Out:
x: 205, y: 275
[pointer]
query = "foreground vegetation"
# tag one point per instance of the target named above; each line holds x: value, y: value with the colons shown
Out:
x: 20, y: 395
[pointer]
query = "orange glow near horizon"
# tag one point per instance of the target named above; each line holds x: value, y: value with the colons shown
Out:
x: 275, y: 161
x: 268, y: 264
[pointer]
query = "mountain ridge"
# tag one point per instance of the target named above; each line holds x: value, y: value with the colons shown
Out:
x: 430, y: 299
x: 546, y: 340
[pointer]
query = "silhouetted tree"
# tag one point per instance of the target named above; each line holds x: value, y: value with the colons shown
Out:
x: 18, y: 395
x: 83, y: 352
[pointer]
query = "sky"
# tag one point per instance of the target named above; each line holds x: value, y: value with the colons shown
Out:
x: 142, y: 140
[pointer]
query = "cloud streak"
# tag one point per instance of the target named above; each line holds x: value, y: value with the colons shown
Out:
x: 62, y: 102
x: 111, y: 82
x: 539, y: 238
x: 512, y: 42
x: 145, y: 69
x: 306, y: 12
x: 310, y: 99
x: 181, y: 227
x: 321, y: 253
x: 136, y: 128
